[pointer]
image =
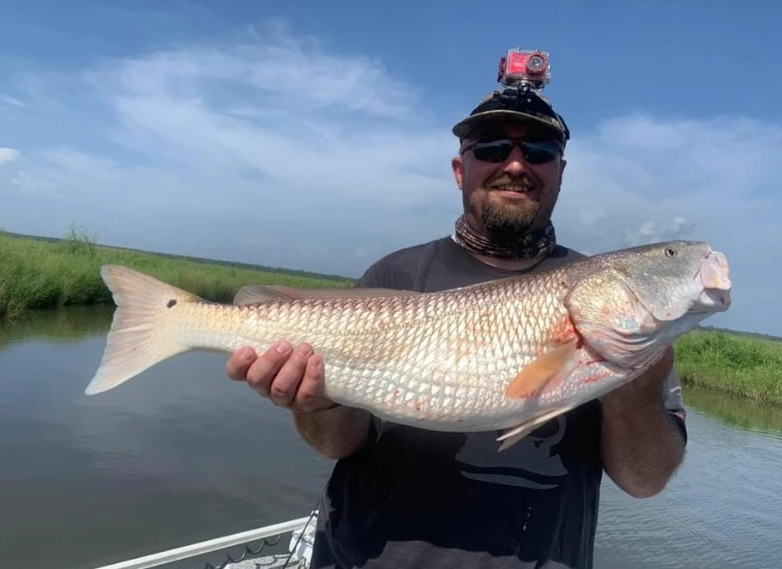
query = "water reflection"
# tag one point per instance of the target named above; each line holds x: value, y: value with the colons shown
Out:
x: 740, y: 413
x: 67, y: 325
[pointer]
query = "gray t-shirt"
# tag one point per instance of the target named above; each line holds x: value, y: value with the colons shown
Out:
x: 419, y: 499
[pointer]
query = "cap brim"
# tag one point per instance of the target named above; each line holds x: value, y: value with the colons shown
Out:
x: 463, y: 128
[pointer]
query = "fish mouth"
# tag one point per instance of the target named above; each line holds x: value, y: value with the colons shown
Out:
x: 714, y: 276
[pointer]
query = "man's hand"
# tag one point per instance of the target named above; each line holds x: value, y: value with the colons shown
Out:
x: 294, y: 379
x: 641, y: 444
x: 290, y: 378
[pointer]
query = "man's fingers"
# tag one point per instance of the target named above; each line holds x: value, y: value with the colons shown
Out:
x: 238, y: 364
x: 264, y: 369
x: 283, y: 389
x: 289, y: 377
x: 310, y: 395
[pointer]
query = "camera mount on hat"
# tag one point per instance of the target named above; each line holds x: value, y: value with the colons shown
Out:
x: 522, y: 71
x: 525, y: 69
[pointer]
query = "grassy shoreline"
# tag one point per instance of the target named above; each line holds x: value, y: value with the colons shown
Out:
x: 44, y: 273
x: 731, y: 362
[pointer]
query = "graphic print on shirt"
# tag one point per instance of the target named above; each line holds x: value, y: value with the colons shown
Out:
x: 533, y: 462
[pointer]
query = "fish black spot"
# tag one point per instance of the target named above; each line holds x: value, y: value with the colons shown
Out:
x: 171, y: 303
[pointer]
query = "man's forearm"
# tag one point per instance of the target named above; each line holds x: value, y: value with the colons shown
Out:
x: 335, y: 433
x: 641, y: 447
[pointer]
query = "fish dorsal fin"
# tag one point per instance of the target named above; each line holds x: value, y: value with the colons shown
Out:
x: 545, y: 372
x: 257, y: 294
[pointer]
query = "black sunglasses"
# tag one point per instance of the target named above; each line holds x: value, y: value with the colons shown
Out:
x: 498, y: 150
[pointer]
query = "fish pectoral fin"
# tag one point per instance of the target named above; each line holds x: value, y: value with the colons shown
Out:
x: 511, y: 436
x: 544, y: 372
x: 257, y: 294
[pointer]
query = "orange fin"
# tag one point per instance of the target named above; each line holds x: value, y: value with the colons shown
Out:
x: 511, y: 436
x: 546, y: 371
x: 257, y: 294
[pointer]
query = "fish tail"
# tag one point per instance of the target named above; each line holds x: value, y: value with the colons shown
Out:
x: 142, y: 332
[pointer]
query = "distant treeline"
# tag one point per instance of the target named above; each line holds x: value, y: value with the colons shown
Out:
x: 742, y: 333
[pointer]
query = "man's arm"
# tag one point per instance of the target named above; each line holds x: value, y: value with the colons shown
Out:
x: 643, y: 431
x: 335, y: 433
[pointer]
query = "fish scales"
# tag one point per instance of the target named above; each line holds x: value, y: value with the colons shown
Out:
x: 439, y: 357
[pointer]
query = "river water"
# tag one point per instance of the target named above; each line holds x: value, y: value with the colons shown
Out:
x: 182, y: 454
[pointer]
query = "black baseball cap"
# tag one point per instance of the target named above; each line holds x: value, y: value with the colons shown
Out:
x: 509, y: 104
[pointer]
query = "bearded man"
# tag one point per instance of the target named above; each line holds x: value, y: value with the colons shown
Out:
x: 404, y: 498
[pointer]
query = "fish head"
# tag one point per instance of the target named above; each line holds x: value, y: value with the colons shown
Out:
x: 677, y: 279
x: 635, y: 303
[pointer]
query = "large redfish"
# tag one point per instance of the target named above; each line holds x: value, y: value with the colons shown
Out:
x: 508, y: 354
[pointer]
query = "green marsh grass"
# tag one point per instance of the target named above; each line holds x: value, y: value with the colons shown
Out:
x: 733, y: 363
x: 43, y: 274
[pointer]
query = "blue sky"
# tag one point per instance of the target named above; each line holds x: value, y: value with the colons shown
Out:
x: 301, y: 135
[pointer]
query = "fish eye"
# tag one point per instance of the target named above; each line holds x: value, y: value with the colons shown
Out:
x: 670, y: 252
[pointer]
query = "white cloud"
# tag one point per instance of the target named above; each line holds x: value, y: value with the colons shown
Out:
x: 8, y: 155
x: 271, y: 149
x: 650, y: 232
x: 12, y: 102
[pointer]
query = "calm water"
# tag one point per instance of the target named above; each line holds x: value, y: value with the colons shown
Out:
x: 182, y: 454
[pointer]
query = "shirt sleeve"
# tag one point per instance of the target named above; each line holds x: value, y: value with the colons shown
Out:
x: 378, y: 275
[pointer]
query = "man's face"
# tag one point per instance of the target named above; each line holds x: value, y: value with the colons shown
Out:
x: 510, y: 195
